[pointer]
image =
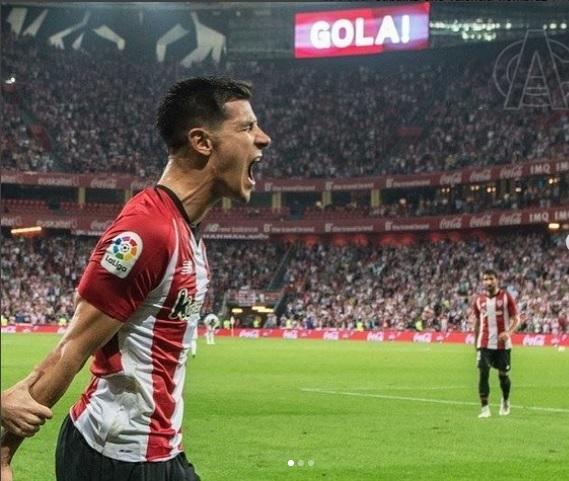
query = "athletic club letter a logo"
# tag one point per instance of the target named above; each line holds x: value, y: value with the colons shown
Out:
x: 533, y: 72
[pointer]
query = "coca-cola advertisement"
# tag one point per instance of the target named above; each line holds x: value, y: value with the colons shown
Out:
x: 480, y: 176
x: 249, y: 333
x: 331, y: 335
x: 375, y: 337
x: 426, y: 337
x: 511, y: 172
x: 290, y: 334
x: 450, y: 223
x: 451, y: 179
x: 529, y: 340
x: 514, y: 218
x: 480, y: 221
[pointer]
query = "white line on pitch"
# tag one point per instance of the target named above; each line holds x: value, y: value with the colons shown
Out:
x: 410, y: 388
x: 425, y: 400
x: 436, y: 388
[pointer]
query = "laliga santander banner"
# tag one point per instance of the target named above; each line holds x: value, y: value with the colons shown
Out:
x: 539, y: 340
x: 362, y: 31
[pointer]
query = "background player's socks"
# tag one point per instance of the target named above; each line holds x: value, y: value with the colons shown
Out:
x: 484, y: 386
x: 505, y: 385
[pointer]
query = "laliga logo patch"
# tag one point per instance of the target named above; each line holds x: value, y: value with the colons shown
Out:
x: 122, y: 253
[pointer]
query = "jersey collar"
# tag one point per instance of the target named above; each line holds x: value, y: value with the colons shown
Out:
x: 178, y: 203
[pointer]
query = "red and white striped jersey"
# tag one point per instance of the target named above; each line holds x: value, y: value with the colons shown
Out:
x: 149, y: 271
x: 493, y: 314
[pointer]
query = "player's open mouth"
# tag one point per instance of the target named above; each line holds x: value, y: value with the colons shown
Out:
x: 251, y: 165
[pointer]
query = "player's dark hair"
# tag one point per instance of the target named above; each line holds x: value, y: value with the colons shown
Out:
x: 490, y: 272
x: 196, y: 101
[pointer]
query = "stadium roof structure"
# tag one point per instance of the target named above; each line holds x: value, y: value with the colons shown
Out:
x: 518, y: 11
x: 449, y: 6
x: 176, y: 5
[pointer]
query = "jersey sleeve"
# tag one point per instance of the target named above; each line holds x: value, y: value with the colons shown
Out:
x: 512, y: 307
x: 127, y: 263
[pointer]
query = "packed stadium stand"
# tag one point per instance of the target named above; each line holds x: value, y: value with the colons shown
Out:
x: 392, y: 287
x: 336, y: 122
x: 327, y: 285
x: 79, y: 112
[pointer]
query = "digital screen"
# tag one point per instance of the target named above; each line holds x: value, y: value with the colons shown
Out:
x: 363, y: 31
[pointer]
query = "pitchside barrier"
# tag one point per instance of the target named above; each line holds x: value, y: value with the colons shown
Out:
x: 344, y: 335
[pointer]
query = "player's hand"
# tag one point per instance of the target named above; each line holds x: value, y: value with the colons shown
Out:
x: 504, y: 336
x: 21, y: 414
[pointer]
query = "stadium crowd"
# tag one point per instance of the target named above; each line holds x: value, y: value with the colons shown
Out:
x: 430, y: 283
x: 375, y: 118
x: 240, y: 265
x: 336, y: 122
x: 39, y: 275
x: 19, y: 149
x: 326, y: 285
x: 98, y: 123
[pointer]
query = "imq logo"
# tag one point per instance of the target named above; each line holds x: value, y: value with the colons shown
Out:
x: 533, y: 72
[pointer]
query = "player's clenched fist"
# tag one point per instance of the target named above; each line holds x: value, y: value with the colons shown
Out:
x: 20, y: 413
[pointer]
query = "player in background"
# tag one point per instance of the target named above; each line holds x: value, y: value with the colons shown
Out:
x: 211, y: 322
x: 194, y: 343
x: 495, y: 320
x: 139, y: 299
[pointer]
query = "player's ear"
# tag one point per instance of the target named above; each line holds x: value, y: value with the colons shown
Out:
x: 200, y: 141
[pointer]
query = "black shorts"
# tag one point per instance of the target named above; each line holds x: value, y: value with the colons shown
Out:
x: 496, y: 358
x: 75, y: 460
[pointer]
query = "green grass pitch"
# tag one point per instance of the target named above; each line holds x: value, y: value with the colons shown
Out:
x: 344, y: 411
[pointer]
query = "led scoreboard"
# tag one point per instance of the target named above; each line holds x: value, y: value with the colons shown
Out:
x: 363, y: 31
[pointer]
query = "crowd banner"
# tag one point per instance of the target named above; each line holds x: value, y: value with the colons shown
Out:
x: 260, y: 229
x: 471, y: 175
x: 426, y: 337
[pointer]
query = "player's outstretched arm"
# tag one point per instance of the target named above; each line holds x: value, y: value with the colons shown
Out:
x: 20, y: 412
x: 89, y: 330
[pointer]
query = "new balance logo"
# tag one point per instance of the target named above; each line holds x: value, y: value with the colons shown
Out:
x: 188, y: 268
